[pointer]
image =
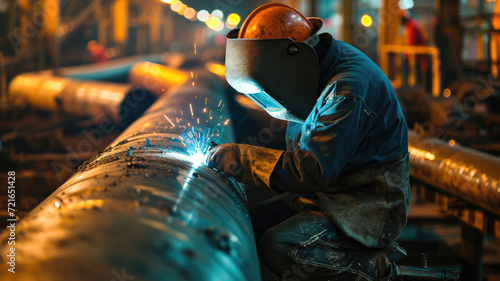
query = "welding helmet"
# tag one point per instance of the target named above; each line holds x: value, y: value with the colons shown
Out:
x: 271, y: 59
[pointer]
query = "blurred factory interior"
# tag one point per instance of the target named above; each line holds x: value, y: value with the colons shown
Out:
x: 75, y: 75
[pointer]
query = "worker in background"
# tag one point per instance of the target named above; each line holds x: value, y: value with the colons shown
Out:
x: 344, y: 171
x: 97, y: 51
x: 414, y: 36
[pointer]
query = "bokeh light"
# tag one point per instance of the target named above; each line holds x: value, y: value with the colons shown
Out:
x: 190, y: 13
x: 233, y: 20
x: 220, y: 26
x: 176, y: 6
x: 446, y: 93
x: 219, y: 40
x: 212, y: 22
x: 182, y: 9
x: 217, y: 14
x: 203, y: 15
x: 366, y: 20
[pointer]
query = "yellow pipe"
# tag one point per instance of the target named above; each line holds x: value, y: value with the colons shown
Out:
x: 411, y: 67
x: 154, y: 26
x: 480, y: 43
x: 495, y: 41
x: 120, y: 21
x: 51, y: 9
x: 155, y: 78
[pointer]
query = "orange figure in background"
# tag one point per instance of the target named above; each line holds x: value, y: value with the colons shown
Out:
x: 97, y: 51
x: 414, y: 36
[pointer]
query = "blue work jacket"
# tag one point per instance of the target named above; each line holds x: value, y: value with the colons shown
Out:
x: 352, y: 150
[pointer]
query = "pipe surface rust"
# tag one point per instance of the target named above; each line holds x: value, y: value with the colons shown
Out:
x: 468, y: 174
x: 144, y: 208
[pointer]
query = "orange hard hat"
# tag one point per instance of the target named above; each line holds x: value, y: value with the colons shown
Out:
x: 276, y: 21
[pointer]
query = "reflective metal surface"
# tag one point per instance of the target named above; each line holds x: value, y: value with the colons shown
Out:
x: 143, y: 209
x: 466, y: 173
x: 156, y: 78
x: 120, y: 102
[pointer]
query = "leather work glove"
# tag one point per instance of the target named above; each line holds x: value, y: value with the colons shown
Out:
x: 249, y: 164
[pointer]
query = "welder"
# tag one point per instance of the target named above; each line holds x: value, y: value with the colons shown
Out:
x: 343, y: 175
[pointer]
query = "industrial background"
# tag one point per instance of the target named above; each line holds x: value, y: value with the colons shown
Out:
x: 97, y: 98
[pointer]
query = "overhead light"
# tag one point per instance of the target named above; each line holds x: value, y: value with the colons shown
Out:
x: 233, y: 19
x: 217, y: 14
x: 203, y: 15
x: 212, y: 22
x: 406, y: 4
x: 176, y: 6
x: 366, y: 20
x: 190, y: 13
x: 220, y: 26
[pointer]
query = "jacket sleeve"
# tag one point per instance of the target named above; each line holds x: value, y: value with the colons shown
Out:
x: 325, y: 147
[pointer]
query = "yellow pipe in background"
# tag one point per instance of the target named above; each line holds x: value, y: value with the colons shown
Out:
x: 120, y: 21
x: 35, y: 90
x: 480, y: 43
x: 51, y: 15
x: 495, y: 45
x: 155, y: 26
x: 495, y: 41
x: 412, y: 73
x: 156, y: 78
x: 216, y: 68
x: 51, y: 9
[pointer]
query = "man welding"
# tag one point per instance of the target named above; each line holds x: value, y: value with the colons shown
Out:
x: 344, y: 173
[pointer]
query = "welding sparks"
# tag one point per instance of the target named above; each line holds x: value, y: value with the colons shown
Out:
x: 195, y: 48
x: 169, y: 120
x: 199, y: 142
x: 202, y: 128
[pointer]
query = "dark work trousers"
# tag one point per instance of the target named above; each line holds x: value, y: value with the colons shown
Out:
x: 297, y: 241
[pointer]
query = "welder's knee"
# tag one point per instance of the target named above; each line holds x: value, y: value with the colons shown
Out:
x: 274, y: 250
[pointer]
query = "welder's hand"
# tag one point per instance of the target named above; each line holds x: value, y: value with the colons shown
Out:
x: 226, y: 158
x: 249, y: 164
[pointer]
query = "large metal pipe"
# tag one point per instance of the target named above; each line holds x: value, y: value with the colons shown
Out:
x: 121, y: 103
x: 143, y: 209
x: 157, y: 78
x: 468, y: 174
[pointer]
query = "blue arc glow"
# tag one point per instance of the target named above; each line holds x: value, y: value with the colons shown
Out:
x: 199, y: 141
